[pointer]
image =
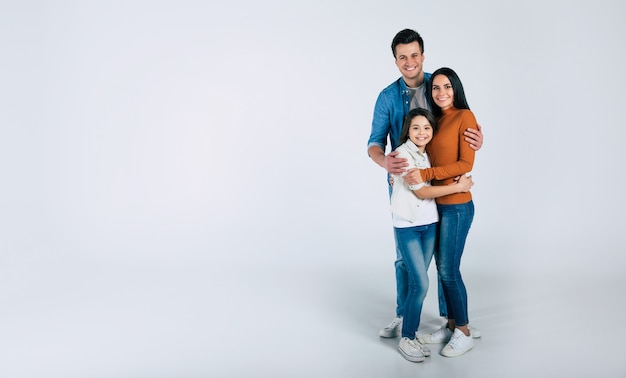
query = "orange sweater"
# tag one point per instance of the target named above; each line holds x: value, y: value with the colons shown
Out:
x: 450, y: 155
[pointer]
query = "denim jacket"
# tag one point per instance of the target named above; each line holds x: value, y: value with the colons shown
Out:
x: 392, y: 106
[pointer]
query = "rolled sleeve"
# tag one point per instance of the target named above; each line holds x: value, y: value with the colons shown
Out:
x: 381, y: 124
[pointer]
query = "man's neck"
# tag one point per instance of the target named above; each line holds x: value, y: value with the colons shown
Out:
x: 414, y: 83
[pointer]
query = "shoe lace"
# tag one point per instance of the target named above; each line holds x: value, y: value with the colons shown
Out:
x: 415, y: 344
x: 455, y: 341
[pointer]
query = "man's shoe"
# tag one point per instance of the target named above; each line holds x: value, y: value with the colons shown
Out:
x: 411, y: 350
x: 475, y: 332
x: 393, y: 329
x: 441, y: 335
x: 459, y: 344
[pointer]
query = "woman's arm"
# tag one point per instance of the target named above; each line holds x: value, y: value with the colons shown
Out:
x: 460, y: 159
x: 462, y: 185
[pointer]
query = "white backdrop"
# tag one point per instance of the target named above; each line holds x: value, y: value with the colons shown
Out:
x: 174, y: 171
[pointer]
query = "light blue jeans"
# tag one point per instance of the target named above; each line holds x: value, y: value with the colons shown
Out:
x: 453, y: 229
x: 417, y: 246
x: 402, y: 286
x: 402, y: 281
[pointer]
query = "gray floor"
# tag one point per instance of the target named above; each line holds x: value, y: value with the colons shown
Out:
x: 316, y: 317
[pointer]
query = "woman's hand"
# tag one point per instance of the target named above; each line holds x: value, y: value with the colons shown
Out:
x: 413, y: 177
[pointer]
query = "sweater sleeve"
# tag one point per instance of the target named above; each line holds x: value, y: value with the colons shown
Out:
x: 465, y: 158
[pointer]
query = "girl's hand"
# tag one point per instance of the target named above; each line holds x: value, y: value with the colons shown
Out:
x: 465, y: 183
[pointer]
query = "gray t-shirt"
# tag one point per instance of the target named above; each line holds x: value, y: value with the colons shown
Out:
x: 418, y: 97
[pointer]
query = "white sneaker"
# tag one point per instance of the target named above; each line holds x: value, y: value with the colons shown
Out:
x: 459, y: 344
x: 425, y: 349
x: 411, y: 349
x: 475, y: 332
x: 441, y: 335
x: 393, y: 329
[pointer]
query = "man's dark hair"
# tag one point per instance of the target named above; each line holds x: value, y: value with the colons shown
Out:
x: 404, y: 37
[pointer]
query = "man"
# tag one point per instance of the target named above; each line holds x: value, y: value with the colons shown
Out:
x: 392, y: 105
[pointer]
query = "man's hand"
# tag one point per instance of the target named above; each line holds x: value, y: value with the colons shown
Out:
x: 393, y: 165
x: 474, y: 137
x: 413, y: 177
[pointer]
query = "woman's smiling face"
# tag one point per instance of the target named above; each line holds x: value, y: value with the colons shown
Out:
x: 443, y: 94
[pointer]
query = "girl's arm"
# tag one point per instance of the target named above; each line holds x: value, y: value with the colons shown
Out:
x: 462, y: 185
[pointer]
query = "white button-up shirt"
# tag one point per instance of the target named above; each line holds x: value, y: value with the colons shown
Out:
x: 407, y: 209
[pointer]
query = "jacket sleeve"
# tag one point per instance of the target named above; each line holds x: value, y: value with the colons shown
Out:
x: 402, y: 196
x: 402, y: 153
x: 398, y: 180
x: 381, y: 123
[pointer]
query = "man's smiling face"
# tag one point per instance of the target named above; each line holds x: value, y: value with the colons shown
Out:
x: 409, y: 60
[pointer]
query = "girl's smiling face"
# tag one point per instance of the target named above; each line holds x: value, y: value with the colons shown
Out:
x: 420, y: 132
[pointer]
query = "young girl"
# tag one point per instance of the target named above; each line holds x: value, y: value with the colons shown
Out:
x: 450, y: 157
x: 415, y: 220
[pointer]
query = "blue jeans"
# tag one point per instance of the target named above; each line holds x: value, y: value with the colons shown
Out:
x: 453, y: 229
x: 402, y: 281
x: 417, y: 246
x: 402, y: 287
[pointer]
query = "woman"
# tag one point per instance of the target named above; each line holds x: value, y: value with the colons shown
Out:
x: 415, y: 220
x: 450, y: 157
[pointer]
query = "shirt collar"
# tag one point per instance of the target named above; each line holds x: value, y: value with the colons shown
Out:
x: 412, y: 147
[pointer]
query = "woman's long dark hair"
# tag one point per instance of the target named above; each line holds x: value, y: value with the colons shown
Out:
x: 459, y: 102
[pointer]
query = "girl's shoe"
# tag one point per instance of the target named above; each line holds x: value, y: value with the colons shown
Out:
x: 411, y: 350
x: 441, y: 335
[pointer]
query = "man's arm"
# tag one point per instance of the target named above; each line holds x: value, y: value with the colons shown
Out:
x: 474, y: 137
x: 381, y: 131
x: 393, y: 165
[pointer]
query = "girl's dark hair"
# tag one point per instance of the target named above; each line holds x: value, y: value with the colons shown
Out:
x: 459, y: 102
x: 404, y: 135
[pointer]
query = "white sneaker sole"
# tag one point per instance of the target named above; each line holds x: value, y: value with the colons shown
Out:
x: 454, y: 353
x: 410, y: 357
x: 388, y: 335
